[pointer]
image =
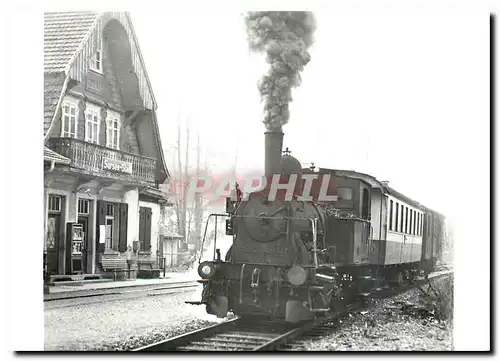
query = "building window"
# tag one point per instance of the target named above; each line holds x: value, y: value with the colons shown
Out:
x: 414, y: 229
x: 109, y: 231
x: 69, y: 120
x: 54, y: 203
x: 83, y: 206
x: 110, y: 225
x: 96, y: 61
x: 390, y: 216
x: 113, y: 130
x: 344, y: 194
x: 396, y: 224
x: 110, y: 210
x: 92, y: 125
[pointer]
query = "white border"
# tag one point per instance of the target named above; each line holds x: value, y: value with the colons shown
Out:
x: 23, y: 187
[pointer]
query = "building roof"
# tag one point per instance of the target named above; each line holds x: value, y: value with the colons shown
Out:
x: 63, y: 34
x: 69, y: 38
x: 53, y: 83
x: 51, y: 156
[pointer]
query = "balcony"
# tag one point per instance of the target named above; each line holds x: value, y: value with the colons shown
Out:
x: 101, y: 162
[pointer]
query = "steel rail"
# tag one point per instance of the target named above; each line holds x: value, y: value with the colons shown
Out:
x: 241, y: 335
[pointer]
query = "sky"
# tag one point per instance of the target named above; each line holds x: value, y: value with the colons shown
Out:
x: 401, y: 94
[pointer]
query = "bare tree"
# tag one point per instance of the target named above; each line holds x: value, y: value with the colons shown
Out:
x: 198, y: 210
x: 189, y: 216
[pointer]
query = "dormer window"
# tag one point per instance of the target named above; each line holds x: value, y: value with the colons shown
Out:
x: 96, y: 60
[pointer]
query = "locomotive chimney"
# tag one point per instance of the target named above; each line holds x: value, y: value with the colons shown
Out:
x: 273, y: 143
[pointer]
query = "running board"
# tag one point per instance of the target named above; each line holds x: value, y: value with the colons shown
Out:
x: 197, y: 303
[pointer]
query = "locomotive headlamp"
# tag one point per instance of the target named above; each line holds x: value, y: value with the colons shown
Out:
x: 206, y: 270
x: 297, y: 275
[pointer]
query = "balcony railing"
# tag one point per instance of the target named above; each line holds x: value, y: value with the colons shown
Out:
x: 100, y: 161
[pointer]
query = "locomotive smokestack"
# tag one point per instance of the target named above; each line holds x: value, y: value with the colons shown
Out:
x: 274, y: 143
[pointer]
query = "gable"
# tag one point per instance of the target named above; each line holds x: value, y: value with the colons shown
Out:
x: 63, y: 34
x: 70, y: 40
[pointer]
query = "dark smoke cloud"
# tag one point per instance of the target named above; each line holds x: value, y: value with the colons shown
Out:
x: 284, y: 36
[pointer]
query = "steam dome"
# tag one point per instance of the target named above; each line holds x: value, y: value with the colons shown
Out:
x: 290, y: 165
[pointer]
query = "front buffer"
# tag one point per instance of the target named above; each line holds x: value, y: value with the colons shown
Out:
x: 291, y: 293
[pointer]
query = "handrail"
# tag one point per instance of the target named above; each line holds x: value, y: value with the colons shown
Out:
x: 313, y: 220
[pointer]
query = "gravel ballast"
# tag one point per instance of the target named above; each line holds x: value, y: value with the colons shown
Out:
x: 124, y: 324
x: 383, y: 326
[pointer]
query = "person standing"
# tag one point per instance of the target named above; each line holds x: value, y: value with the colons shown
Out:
x: 129, y: 259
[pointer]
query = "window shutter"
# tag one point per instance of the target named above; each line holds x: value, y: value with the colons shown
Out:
x: 147, y: 230
x: 122, y: 234
x: 141, y: 227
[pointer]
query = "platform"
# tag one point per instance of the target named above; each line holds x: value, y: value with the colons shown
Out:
x: 82, y: 287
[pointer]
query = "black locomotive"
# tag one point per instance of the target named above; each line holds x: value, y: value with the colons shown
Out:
x: 293, y: 259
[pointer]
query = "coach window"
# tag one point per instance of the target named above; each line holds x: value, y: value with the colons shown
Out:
x: 418, y: 224
x: 390, y: 216
x: 410, y: 231
x: 414, y: 222
x: 396, y: 224
x: 401, y: 223
x: 406, y: 219
x: 411, y: 222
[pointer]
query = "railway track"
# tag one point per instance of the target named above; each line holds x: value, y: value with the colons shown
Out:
x: 235, y: 335
x: 259, y: 335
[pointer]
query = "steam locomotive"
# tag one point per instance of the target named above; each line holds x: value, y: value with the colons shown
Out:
x: 293, y: 259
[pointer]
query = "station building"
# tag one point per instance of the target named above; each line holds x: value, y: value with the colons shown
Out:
x: 103, y: 159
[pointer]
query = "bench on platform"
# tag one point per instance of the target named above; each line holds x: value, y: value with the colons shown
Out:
x: 115, y: 265
x: 149, y: 271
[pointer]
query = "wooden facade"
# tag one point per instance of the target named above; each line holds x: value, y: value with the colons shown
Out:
x: 104, y: 162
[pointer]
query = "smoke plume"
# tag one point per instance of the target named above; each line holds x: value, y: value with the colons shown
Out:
x: 284, y: 36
